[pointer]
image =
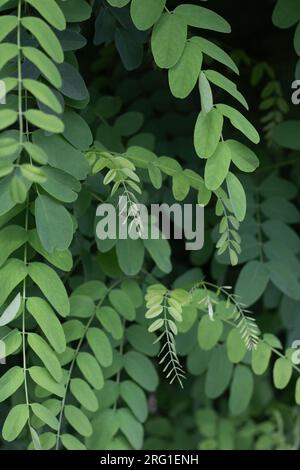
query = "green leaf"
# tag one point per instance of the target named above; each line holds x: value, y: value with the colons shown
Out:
x: 111, y: 321
x: 284, y: 279
x: 297, y: 391
x: 209, y: 332
x: 180, y: 186
x: 260, y: 358
x: 241, y: 390
x: 200, y: 17
x: 130, y: 51
x: 10, y: 382
x: 145, y: 13
x: 73, y: 85
x: 71, y: 443
x: 15, y: 422
x: 18, y: 189
x: 77, y: 419
x: 43, y: 94
x: 160, y: 252
x: 236, y: 348
x: 118, y: 3
x: 286, y: 13
x: 7, y: 24
x: 77, y: 131
x: 217, y: 167
x: 74, y: 163
x: 215, y: 52
x: 42, y: 378
x: 44, y: 64
x: 252, y: 282
x: 129, y: 123
x: 141, y: 370
x: 47, y: 356
x: 61, y: 259
x: 49, y: 216
x: 33, y: 173
x: 36, y: 443
x: 48, y: 323
x: 6, y: 169
x: 218, y: 374
x: 122, y: 303
x: 208, y: 132
x: 84, y: 394
x: 135, y: 398
x: 242, y: 156
x: 131, y: 428
x: 141, y: 340
x: 130, y: 265
x: 44, y: 121
x: 7, y: 117
x: 90, y: 369
x: 205, y: 93
x: 9, y: 147
x: 239, y: 122
x: 12, y: 273
x: 12, y: 237
x: 51, y: 12
x: 168, y: 40
x: 184, y: 75
x: 223, y: 82
x: 45, y: 415
x: 51, y: 286
x: 75, y: 11
x: 7, y: 52
x: 237, y: 196
x: 282, y: 372
x: 11, y: 343
x: 285, y: 134
x: 155, y: 176
x: 45, y: 36
x: 60, y: 185
x: 100, y: 345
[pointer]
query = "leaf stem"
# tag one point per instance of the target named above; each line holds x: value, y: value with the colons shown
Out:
x: 74, y: 361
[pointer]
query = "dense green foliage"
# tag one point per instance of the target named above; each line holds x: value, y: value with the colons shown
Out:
x: 131, y: 344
